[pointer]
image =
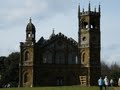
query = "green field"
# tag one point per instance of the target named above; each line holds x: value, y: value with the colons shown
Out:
x: 57, y: 88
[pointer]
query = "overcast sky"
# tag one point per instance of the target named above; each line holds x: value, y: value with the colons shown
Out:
x: 60, y: 15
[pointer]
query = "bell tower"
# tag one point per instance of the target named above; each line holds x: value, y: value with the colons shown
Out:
x: 30, y: 32
x: 89, y: 43
x: 27, y: 58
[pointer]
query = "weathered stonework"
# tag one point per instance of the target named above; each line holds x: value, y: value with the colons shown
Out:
x: 60, y: 60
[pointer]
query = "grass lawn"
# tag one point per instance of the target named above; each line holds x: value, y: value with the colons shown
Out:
x: 57, y: 88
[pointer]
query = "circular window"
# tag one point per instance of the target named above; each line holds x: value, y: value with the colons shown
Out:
x: 84, y: 38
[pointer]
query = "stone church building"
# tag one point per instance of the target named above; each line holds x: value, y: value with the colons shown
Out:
x: 61, y: 60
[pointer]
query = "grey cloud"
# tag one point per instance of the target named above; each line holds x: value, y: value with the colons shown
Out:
x: 15, y: 11
x: 14, y: 15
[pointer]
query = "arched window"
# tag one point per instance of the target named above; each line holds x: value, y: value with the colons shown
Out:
x: 28, y: 35
x: 72, y: 58
x: 47, y: 57
x: 26, y: 77
x: 27, y: 56
x: 84, y: 56
x: 60, y: 58
x: 85, y: 25
x: 76, y: 60
x: 91, y: 26
x: 33, y: 35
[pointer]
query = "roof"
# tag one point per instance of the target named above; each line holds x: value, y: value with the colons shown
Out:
x: 30, y: 26
x: 43, y: 42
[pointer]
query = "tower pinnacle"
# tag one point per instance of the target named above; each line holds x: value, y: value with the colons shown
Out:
x: 53, y: 31
x: 89, y: 7
x: 78, y: 10
x: 83, y: 9
x: 30, y: 20
x: 95, y: 9
x: 99, y: 9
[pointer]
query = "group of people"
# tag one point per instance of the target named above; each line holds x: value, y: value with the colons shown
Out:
x: 105, y: 82
x: 102, y: 82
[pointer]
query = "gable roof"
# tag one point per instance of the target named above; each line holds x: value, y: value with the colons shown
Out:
x: 43, y: 42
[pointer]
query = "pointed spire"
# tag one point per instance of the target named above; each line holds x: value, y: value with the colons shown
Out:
x: 89, y: 7
x: 30, y: 20
x: 53, y: 31
x: 99, y: 9
x: 79, y: 10
x: 83, y: 9
x: 95, y: 9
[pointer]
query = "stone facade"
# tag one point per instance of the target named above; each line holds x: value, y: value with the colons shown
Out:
x: 60, y: 60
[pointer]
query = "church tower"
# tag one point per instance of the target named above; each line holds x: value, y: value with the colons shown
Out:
x: 26, y: 64
x: 89, y: 43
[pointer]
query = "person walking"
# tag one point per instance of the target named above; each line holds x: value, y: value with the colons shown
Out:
x: 111, y: 82
x: 119, y: 82
x: 106, y: 82
x: 100, y: 83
